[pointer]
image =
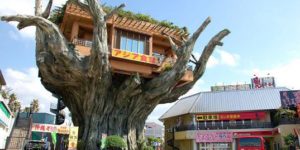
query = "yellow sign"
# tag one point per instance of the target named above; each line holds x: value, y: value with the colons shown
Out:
x: 207, y: 117
x: 134, y: 56
x: 73, y: 137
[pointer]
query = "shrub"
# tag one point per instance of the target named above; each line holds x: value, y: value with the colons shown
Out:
x: 115, y: 142
x: 289, y: 140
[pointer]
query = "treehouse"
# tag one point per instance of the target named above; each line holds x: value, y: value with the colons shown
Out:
x: 135, y: 46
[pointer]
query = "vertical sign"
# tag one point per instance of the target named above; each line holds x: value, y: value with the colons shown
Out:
x: 73, y: 137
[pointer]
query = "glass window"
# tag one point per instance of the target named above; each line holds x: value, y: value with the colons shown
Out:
x: 130, y: 41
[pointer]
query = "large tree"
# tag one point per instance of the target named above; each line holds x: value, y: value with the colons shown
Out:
x: 100, y: 101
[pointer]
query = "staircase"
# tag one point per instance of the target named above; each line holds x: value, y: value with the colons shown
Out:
x: 20, y: 133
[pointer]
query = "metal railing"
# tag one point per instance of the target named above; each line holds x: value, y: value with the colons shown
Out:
x: 288, y: 121
x: 219, y: 126
x: 82, y: 42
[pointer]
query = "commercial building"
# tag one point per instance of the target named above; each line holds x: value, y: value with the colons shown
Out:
x: 153, y: 129
x: 213, y: 120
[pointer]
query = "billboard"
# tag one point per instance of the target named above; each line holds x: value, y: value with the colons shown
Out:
x: 290, y: 98
x: 263, y: 82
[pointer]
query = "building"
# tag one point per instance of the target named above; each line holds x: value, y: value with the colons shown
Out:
x: 153, y: 129
x: 39, y: 118
x: 6, y: 117
x: 135, y: 46
x: 232, y: 113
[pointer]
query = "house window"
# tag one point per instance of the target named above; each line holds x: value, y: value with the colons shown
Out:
x: 131, y: 41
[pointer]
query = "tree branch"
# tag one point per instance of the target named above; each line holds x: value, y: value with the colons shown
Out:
x: 114, y: 11
x: 207, y: 52
x: 199, y: 69
x: 47, y: 11
x: 173, y: 45
x: 82, y: 5
x: 173, y: 76
x: 195, y: 36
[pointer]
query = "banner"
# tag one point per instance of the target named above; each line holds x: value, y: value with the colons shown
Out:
x: 290, y: 98
x: 59, y: 129
x: 73, y: 137
x: 134, y: 56
x: 220, y: 136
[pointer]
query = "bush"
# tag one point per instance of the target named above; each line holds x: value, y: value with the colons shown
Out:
x: 115, y: 142
x: 148, y: 148
x: 289, y: 140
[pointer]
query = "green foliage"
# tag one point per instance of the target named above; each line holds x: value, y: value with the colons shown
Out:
x: 114, y: 141
x: 152, y: 139
x: 284, y: 114
x: 13, y: 102
x: 35, y: 105
x: 142, y: 145
x: 148, y: 148
x: 58, y: 13
x: 289, y: 140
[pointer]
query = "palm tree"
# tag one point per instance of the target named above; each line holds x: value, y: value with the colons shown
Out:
x: 35, y: 105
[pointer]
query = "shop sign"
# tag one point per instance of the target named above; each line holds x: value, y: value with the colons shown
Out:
x: 134, y: 56
x: 220, y: 136
x: 256, y: 133
x: 73, y: 137
x: 230, y: 116
x: 50, y: 128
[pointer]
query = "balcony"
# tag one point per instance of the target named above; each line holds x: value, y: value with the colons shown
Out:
x: 126, y: 62
x: 220, y: 126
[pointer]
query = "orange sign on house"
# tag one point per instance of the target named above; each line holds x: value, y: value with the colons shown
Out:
x: 134, y: 56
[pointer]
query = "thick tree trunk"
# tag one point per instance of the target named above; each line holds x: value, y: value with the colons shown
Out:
x: 102, y: 102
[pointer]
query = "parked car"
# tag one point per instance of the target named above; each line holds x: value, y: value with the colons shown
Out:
x: 37, y: 145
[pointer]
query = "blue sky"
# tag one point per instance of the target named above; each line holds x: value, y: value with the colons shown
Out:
x: 265, y: 38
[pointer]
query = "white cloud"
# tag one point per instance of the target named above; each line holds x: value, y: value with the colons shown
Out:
x: 221, y: 57
x: 212, y: 61
x: 24, y: 7
x: 286, y: 75
x: 27, y: 87
x: 229, y: 59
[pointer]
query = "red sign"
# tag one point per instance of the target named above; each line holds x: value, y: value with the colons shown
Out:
x: 256, y: 133
x: 231, y: 116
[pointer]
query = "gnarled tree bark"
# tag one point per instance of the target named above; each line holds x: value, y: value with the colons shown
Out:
x: 102, y: 102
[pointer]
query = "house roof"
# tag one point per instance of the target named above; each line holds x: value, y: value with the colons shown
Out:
x: 123, y: 22
x: 227, y: 101
x: 2, y: 81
